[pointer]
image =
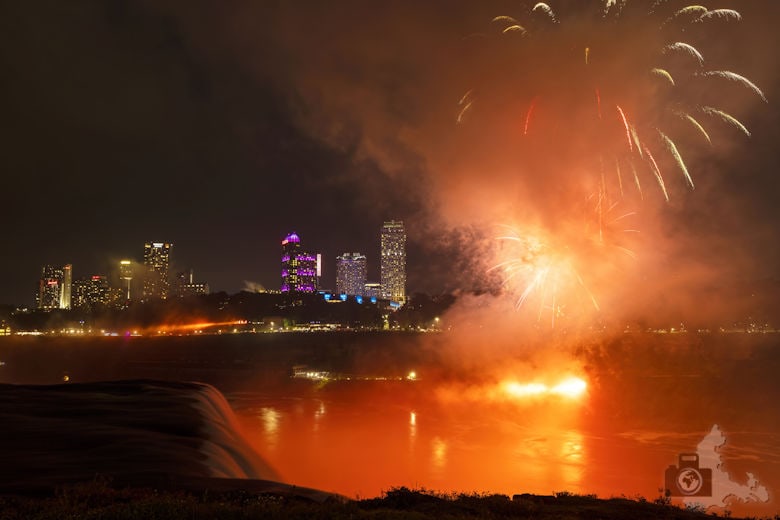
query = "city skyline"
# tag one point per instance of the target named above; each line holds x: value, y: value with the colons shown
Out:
x: 154, y: 278
x: 214, y: 128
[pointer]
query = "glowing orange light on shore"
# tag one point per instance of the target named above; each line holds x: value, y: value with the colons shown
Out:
x: 191, y: 327
x: 522, y: 390
x: 572, y: 387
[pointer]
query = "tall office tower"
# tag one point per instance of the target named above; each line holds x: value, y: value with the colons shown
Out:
x: 49, y: 287
x: 67, y: 280
x: 156, y: 263
x: 54, y: 287
x: 351, y: 274
x: 393, y: 261
x: 299, y: 268
x: 91, y: 292
x: 126, y: 275
x: 78, y: 298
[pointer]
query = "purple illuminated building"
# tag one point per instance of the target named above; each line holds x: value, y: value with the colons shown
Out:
x: 300, y: 269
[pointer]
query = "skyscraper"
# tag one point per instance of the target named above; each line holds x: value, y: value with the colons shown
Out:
x: 54, y: 287
x: 126, y: 275
x: 393, y: 261
x: 91, y: 292
x: 67, y: 280
x: 299, y: 268
x: 351, y: 274
x: 156, y: 264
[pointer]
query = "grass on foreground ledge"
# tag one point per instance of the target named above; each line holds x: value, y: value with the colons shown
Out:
x: 99, y: 500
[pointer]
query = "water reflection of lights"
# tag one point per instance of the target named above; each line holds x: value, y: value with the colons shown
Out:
x: 439, y: 453
x: 270, y: 418
x: 564, y: 451
x: 571, y: 448
x: 571, y: 453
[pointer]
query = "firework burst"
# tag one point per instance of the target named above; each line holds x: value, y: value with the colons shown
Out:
x: 553, y: 273
x: 599, y: 101
x: 613, y: 80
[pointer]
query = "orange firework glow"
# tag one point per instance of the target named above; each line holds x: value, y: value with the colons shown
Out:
x: 544, y: 272
x: 569, y: 388
x: 549, y: 271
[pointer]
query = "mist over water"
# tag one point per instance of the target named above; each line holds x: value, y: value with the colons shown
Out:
x: 649, y: 398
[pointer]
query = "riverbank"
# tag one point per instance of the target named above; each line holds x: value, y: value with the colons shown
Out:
x: 219, y: 498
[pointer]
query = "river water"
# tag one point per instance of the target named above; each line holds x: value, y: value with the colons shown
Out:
x: 649, y: 398
x: 642, y: 408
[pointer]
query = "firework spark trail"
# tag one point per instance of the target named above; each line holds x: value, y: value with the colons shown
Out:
x: 693, y: 12
x: 723, y: 14
x: 726, y: 117
x: 463, y: 111
x: 696, y: 124
x: 541, y: 6
x: 684, y: 47
x: 466, y: 103
x: 657, y: 172
x: 598, y: 102
x: 619, y: 175
x: 636, y: 180
x: 677, y: 157
x: 663, y: 74
x: 515, y: 29
x: 731, y: 76
x: 625, y: 124
x: 637, y: 142
x: 528, y: 116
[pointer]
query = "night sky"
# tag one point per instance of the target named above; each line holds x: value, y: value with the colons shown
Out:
x: 222, y: 126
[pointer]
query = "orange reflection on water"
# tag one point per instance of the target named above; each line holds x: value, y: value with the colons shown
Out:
x: 438, y: 455
x: 270, y: 418
x: 366, y: 442
x: 573, y: 459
